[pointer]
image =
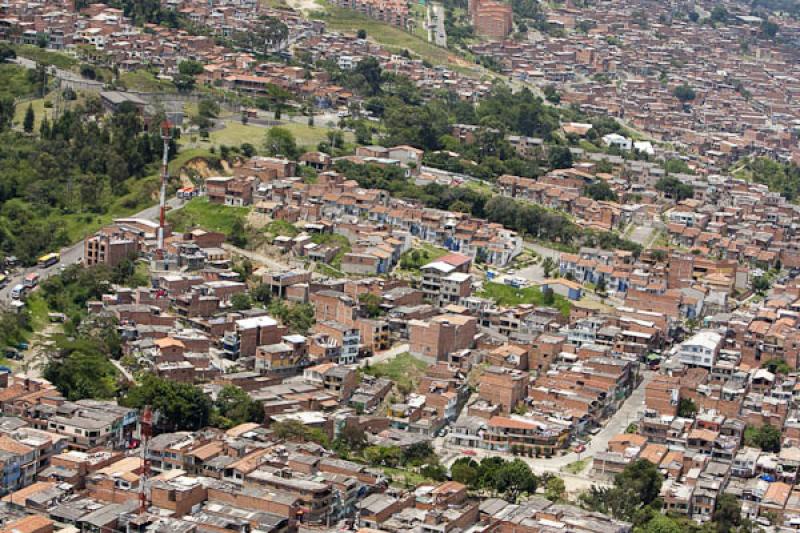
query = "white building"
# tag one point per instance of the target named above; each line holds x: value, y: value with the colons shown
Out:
x: 701, y: 350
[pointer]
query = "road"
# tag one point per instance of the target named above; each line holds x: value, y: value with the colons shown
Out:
x: 628, y: 413
x: 73, y: 254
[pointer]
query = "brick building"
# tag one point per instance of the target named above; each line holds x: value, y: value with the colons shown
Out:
x: 441, y: 335
x: 503, y: 387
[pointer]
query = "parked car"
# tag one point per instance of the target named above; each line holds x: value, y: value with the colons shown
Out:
x: 12, y: 353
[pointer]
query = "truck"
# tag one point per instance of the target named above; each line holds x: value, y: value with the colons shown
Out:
x: 31, y: 280
x: 49, y: 260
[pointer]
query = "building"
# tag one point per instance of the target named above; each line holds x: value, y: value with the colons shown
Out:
x: 442, y: 335
x: 701, y: 350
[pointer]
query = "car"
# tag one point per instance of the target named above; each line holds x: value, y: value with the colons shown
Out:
x: 595, y: 431
x: 580, y: 448
x: 470, y: 452
x: 23, y: 346
x: 12, y: 353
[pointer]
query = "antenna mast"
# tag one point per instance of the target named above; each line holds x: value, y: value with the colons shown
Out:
x: 145, y: 431
x: 166, y: 136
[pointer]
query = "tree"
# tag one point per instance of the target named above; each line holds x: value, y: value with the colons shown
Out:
x: 418, y: 453
x: 662, y: 524
x: 248, y: 150
x: 238, y: 234
x: 642, y: 478
x: 769, y: 29
x: 30, y: 118
x: 281, y: 142
x: 84, y: 373
x: 674, y: 188
x: 554, y: 489
x: 687, y: 408
x: 263, y: 37
x: 368, y: 72
x: 719, y: 14
x: 351, y: 439
x: 684, y: 93
x: 208, y: 108
x: 190, y: 67
x: 601, y: 287
x: 727, y: 513
x: 767, y: 437
x: 761, y: 285
x: 383, y: 455
x: 559, y: 157
x: 551, y: 94
x: 361, y: 34
x: 548, y: 265
x: 513, y: 478
x: 241, y: 302
x: 370, y: 304
x: 465, y: 470
x: 600, y: 191
x: 262, y: 293
x: 434, y: 471
x: 635, y: 492
x: 777, y: 366
x: 289, y: 430
x: 234, y: 406
x: 180, y: 406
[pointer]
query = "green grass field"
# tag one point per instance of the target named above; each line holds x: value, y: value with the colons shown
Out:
x: 214, y: 217
x: 405, y: 370
x: 14, y: 81
x: 412, y: 260
x: 143, y: 80
x: 507, y: 295
x: 46, y: 57
x: 235, y: 134
x: 39, y: 112
x: 393, y: 38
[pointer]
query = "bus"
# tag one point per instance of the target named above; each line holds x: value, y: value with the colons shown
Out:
x: 49, y: 260
x: 31, y: 280
x: 17, y: 292
x: 3, y: 281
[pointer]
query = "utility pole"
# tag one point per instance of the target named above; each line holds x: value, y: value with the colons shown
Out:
x: 166, y: 136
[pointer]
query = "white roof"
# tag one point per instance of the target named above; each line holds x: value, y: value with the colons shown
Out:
x: 440, y: 266
x: 256, y: 322
x: 706, y: 339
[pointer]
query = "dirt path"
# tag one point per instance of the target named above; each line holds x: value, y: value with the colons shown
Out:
x: 35, y: 357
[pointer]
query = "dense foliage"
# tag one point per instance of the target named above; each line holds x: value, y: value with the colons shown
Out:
x: 782, y: 178
x: 510, y: 479
x: 179, y: 406
x: 674, y: 188
x: 77, y: 168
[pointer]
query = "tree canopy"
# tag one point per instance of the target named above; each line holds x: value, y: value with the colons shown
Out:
x: 179, y: 406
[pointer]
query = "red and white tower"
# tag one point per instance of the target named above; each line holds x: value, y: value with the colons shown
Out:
x: 166, y: 136
x: 145, y: 432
